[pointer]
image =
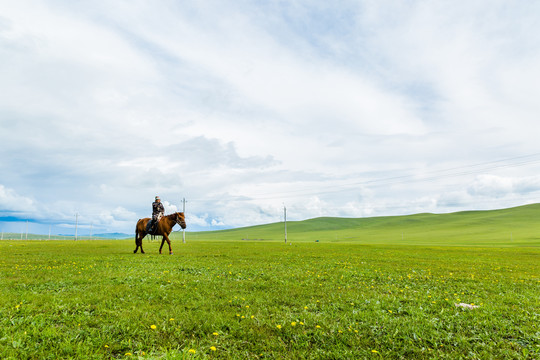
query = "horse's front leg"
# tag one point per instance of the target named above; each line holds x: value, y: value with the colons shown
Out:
x: 162, y: 242
x: 169, y: 243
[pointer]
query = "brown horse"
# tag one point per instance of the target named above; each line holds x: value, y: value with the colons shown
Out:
x: 164, y: 228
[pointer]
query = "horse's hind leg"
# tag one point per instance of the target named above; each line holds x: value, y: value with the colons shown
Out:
x: 139, y: 242
x: 136, y: 242
x: 142, y: 251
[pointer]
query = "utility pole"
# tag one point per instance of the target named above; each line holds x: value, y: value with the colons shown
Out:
x: 76, y: 223
x: 285, y: 220
x: 184, y: 212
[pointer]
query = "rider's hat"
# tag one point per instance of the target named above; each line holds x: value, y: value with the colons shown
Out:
x: 157, y: 197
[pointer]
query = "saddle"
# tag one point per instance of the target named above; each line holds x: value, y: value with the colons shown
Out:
x: 151, y: 227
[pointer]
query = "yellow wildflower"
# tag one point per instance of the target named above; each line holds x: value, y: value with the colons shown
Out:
x: 213, y: 348
x: 192, y: 351
x: 153, y: 327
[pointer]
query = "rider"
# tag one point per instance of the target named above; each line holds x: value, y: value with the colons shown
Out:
x: 157, y: 212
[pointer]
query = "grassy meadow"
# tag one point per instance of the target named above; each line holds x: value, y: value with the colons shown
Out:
x: 518, y: 226
x: 237, y: 299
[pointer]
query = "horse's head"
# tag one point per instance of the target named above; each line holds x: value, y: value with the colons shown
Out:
x: 180, y: 219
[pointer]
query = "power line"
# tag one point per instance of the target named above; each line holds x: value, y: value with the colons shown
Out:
x: 428, y: 176
x: 184, y: 212
x: 76, y: 224
x: 285, y: 221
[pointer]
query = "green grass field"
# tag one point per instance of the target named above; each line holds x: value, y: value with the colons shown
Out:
x: 344, y: 299
x: 518, y: 226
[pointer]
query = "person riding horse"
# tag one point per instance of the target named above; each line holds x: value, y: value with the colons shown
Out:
x: 157, y: 212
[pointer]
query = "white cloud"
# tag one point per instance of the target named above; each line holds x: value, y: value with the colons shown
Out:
x: 169, y: 208
x: 493, y: 186
x: 349, y: 109
x: 121, y: 214
x: 499, y: 186
x: 10, y: 201
x: 217, y: 223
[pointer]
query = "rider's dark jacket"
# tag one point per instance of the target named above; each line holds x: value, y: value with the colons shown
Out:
x: 157, y: 209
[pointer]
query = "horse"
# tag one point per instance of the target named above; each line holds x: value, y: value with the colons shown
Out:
x: 164, y: 228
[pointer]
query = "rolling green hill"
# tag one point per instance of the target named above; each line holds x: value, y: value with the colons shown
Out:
x: 519, y: 226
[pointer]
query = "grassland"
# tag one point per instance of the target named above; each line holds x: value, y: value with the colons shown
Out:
x: 271, y: 300
x: 518, y: 226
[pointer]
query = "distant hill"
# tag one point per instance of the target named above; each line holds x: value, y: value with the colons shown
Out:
x: 17, y: 236
x: 519, y: 226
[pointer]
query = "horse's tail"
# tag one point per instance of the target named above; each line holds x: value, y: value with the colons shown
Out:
x: 137, y: 231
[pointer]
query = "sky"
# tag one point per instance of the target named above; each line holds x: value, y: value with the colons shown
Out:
x: 348, y: 109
